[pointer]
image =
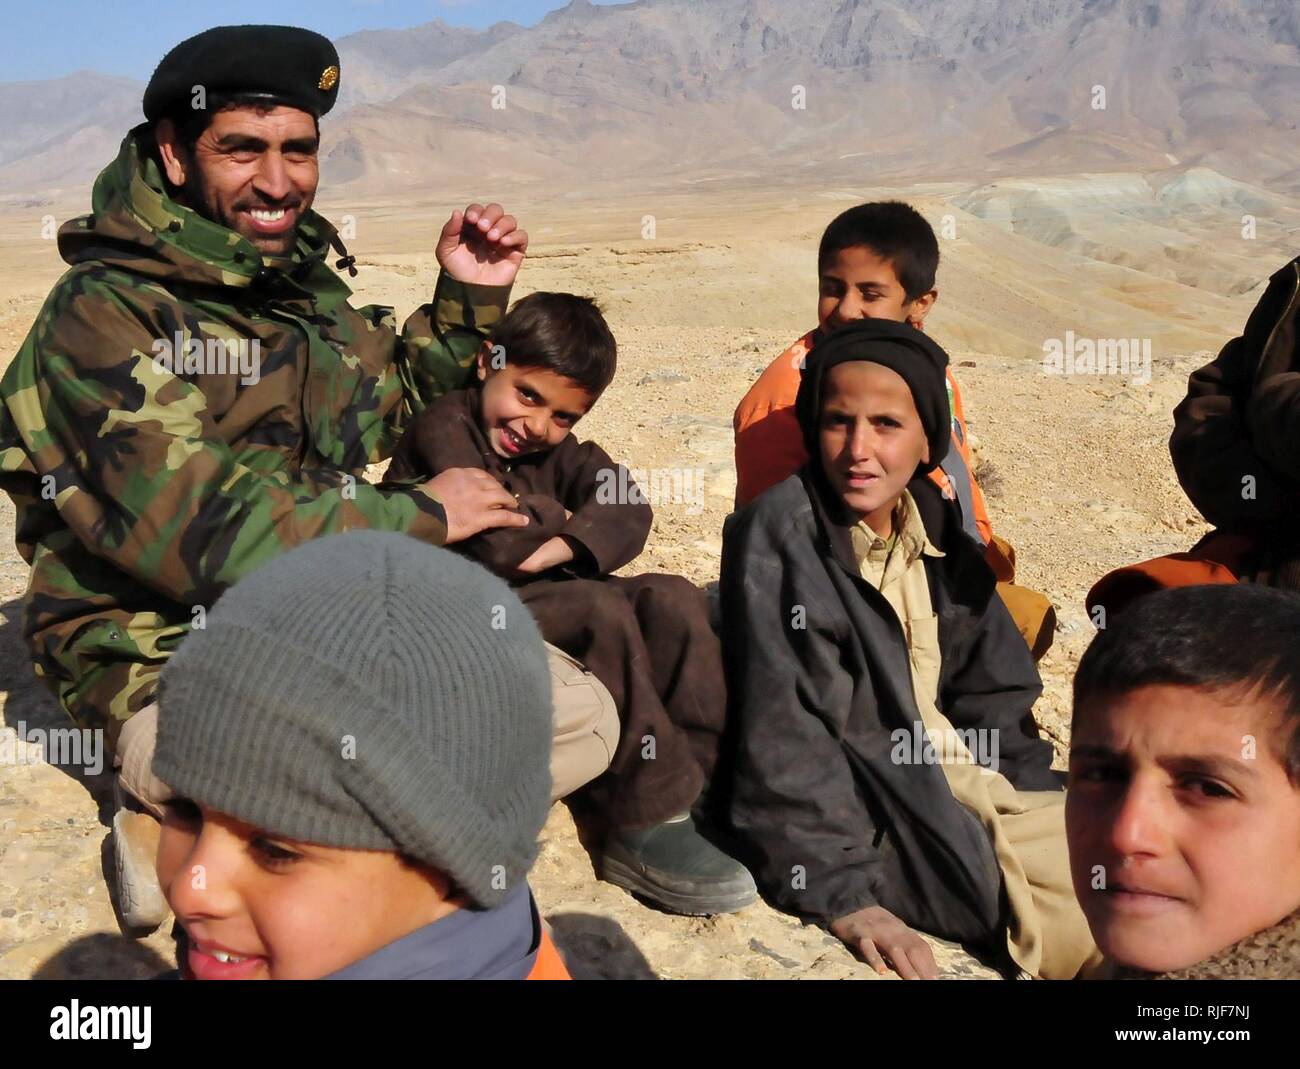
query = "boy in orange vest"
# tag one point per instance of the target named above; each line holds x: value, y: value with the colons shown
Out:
x: 877, y: 261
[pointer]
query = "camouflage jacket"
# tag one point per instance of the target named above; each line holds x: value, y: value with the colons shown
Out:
x: 147, y: 480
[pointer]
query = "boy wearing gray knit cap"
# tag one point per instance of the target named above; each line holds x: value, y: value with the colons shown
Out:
x: 358, y: 745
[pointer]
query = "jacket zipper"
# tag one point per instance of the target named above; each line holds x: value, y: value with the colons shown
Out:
x: 1286, y: 311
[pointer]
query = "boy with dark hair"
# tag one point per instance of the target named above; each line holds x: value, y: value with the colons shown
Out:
x: 877, y: 261
x: 646, y: 637
x: 884, y: 767
x: 1183, y: 811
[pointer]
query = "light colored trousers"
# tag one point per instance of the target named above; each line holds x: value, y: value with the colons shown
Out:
x: 586, y: 734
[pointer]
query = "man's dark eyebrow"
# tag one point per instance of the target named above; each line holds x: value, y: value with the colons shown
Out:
x: 229, y: 141
x: 256, y: 144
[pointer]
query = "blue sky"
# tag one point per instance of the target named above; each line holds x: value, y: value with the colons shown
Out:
x: 48, y: 38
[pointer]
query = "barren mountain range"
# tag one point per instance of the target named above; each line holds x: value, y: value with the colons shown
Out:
x: 759, y: 90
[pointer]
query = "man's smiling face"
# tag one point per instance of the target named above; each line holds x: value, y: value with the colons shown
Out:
x: 253, y: 170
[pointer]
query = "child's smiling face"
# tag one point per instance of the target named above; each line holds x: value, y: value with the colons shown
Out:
x: 1183, y: 826
x: 856, y: 284
x: 528, y: 409
x: 290, y: 911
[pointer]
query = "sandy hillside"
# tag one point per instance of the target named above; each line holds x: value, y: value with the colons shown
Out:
x: 1076, y: 471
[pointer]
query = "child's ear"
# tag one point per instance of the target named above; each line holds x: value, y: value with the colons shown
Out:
x: 925, y: 451
x: 483, y: 361
x: 920, y: 308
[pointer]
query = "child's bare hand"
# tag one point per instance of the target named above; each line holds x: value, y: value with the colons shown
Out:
x: 473, y: 501
x: 879, y: 936
x: 552, y: 552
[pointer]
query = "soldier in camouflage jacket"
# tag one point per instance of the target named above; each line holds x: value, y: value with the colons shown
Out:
x: 146, y: 479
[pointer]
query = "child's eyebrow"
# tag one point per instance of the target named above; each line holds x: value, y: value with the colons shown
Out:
x: 1097, y: 753
x: 525, y: 384
x: 1211, y: 765
x: 897, y: 416
x: 1206, y: 764
x: 531, y: 387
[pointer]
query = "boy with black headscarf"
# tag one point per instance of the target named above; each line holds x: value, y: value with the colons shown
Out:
x: 885, y: 770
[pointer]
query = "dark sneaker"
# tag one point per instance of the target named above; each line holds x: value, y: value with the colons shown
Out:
x: 675, y: 867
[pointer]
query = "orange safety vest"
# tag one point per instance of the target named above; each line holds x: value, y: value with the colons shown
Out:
x: 769, y: 442
x: 549, y: 965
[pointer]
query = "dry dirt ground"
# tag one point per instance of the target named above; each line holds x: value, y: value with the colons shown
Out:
x: 1076, y: 473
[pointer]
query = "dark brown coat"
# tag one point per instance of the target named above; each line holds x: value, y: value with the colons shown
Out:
x: 1241, y: 418
x: 611, y: 518
x: 646, y: 637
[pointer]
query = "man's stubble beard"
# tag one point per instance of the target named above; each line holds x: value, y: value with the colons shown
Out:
x: 196, y: 196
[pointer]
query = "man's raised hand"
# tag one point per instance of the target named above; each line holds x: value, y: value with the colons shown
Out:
x: 482, y: 245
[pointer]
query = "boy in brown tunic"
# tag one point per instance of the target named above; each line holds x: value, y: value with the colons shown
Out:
x: 646, y: 637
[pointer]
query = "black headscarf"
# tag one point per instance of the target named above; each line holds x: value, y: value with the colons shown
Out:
x: 913, y: 355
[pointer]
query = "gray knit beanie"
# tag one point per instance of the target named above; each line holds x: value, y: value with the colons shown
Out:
x: 367, y: 690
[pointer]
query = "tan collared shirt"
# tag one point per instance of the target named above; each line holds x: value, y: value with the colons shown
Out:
x: 1047, y: 936
x: 894, y: 567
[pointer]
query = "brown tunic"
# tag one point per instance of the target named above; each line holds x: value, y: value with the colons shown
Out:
x: 611, y: 518
x: 646, y: 637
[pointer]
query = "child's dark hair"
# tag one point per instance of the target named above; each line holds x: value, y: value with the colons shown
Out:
x: 894, y: 231
x: 560, y: 332
x: 1223, y: 637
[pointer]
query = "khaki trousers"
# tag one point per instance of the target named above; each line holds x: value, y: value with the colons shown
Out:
x: 586, y: 735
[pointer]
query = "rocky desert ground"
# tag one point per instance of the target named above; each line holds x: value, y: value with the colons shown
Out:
x: 704, y: 284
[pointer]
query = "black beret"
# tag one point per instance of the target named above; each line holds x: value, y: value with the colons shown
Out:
x: 919, y: 360
x: 285, y: 64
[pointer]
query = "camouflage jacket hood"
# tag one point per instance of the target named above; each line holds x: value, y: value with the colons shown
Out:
x: 143, y: 488
x: 135, y: 223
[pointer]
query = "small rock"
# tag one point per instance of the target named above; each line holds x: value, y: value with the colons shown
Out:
x: 662, y: 376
